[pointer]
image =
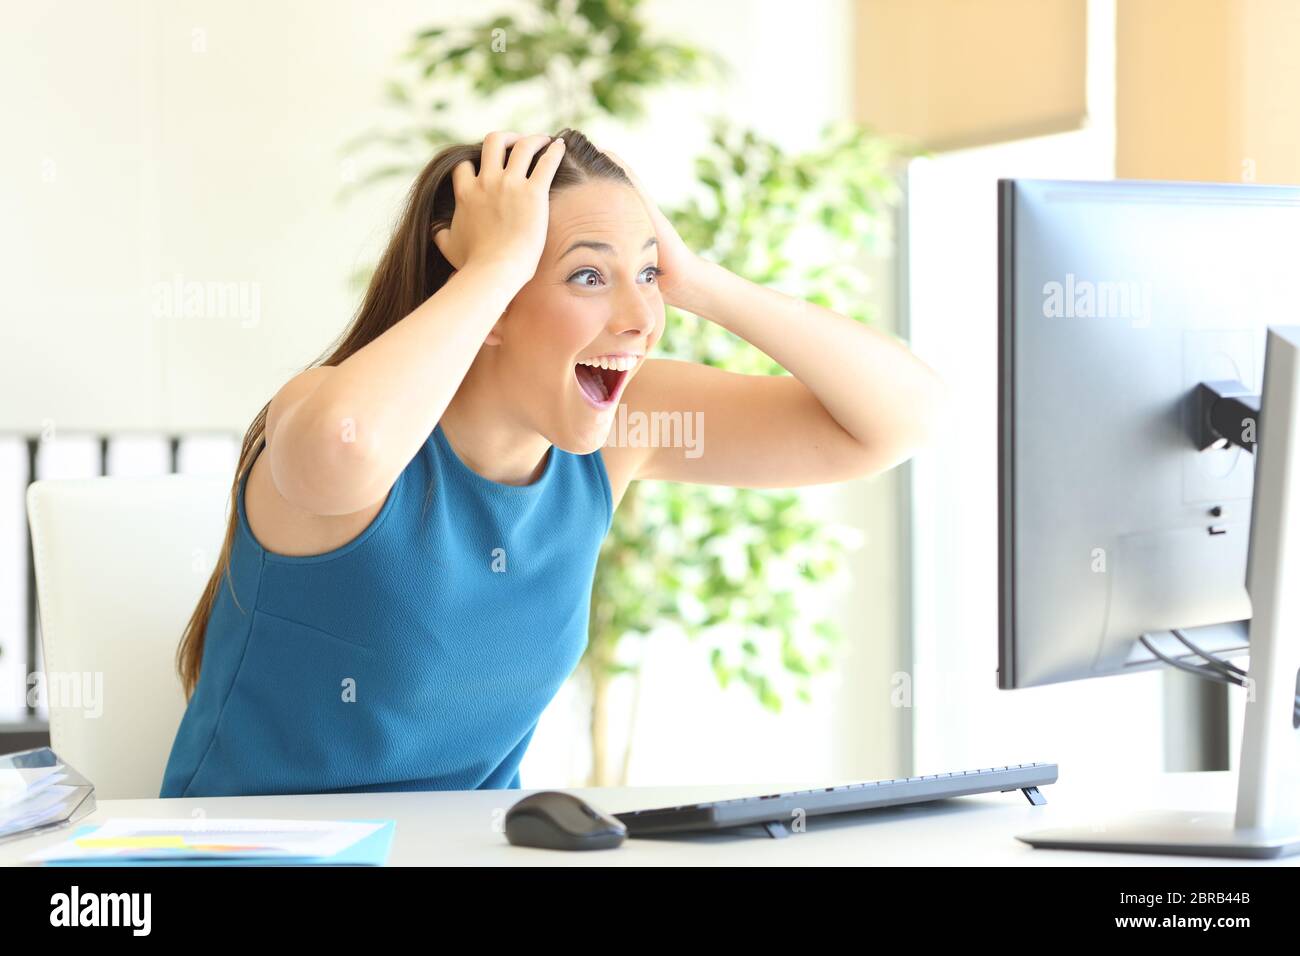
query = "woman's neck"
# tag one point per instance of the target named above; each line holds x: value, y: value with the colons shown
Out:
x: 487, y: 438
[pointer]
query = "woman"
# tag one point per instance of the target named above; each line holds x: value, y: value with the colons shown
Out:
x: 415, y: 520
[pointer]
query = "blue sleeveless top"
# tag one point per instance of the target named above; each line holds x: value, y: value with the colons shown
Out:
x: 418, y: 656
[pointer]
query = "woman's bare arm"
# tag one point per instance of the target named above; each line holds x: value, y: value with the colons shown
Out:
x: 342, y: 435
x: 856, y: 402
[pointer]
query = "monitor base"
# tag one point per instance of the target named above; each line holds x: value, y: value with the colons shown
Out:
x: 1184, y: 833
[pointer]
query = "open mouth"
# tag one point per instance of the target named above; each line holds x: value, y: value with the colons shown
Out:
x: 601, y: 379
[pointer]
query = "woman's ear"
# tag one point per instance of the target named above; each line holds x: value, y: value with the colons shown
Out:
x: 494, y: 337
x: 442, y: 238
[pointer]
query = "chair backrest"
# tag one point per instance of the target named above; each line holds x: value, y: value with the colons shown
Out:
x: 120, y: 564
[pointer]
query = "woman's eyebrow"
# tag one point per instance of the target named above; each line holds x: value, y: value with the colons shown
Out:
x: 604, y: 247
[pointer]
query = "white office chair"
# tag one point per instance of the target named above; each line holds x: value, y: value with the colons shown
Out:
x: 120, y: 564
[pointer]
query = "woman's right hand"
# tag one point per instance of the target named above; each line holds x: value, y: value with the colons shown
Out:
x: 501, y: 214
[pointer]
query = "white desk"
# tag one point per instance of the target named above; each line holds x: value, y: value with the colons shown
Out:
x: 457, y: 827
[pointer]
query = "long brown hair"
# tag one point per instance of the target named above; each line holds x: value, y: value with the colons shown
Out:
x: 410, y: 270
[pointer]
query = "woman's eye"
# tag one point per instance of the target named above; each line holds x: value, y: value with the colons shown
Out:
x: 653, y: 273
x: 587, y: 277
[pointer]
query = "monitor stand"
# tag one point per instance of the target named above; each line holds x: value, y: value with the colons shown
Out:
x: 1267, y: 819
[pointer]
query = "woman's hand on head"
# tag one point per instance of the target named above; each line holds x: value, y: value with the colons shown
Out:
x: 501, y: 212
x: 681, y: 267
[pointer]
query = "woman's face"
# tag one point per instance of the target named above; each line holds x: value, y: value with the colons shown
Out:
x: 577, y: 332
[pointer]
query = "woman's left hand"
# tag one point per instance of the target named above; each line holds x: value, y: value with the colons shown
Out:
x: 682, y: 269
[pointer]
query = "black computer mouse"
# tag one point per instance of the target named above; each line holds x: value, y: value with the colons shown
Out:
x: 555, y: 820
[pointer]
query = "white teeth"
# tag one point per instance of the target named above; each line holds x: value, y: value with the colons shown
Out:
x: 619, y: 363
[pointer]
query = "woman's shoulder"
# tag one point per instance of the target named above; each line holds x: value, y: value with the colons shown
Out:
x: 278, y: 524
x: 282, y: 528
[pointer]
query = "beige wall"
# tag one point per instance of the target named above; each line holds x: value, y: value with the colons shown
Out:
x: 1207, y: 90
x: 952, y: 73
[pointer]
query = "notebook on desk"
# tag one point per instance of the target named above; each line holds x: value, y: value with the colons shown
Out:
x: 184, y: 847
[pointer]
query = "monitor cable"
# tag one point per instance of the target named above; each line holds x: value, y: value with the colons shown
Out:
x: 1216, y: 669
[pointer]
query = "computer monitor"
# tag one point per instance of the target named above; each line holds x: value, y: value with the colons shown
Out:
x: 1135, y: 322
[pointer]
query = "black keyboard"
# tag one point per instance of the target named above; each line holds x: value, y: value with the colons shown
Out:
x: 776, y: 811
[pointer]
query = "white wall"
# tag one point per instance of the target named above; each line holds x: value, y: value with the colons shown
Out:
x: 149, y: 140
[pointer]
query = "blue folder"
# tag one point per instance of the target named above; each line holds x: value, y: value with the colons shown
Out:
x: 368, y: 851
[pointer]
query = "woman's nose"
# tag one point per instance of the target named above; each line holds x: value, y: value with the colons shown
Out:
x: 635, y: 314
